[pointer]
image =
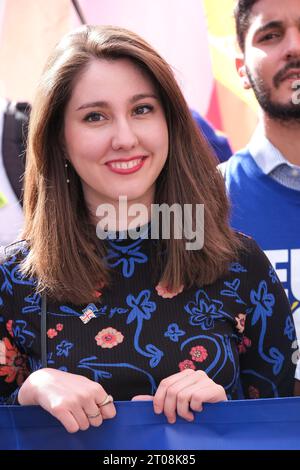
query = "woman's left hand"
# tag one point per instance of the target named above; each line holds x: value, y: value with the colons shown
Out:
x: 182, y: 392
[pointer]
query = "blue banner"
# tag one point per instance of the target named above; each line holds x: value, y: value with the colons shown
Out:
x: 236, y: 425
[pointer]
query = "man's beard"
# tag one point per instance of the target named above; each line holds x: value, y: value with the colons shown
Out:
x: 289, y: 112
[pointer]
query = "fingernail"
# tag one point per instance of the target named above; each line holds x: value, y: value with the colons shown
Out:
x: 172, y: 420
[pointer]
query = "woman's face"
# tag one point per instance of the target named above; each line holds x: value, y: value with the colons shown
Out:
x: 116, y: 133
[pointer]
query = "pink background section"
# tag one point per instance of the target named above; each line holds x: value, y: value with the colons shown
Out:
x: 176, y: 28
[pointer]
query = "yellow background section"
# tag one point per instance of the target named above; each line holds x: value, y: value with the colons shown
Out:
x: 223, y: 48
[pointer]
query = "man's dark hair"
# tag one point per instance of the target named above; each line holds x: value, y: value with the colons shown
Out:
x: 242, y: 14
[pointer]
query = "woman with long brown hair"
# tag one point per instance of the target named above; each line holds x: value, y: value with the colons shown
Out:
x: 90, y: 310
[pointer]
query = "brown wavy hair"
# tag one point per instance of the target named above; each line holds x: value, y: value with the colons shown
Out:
x: 62, y: 239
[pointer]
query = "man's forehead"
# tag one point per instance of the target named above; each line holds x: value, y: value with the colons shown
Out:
x: 269, y: 11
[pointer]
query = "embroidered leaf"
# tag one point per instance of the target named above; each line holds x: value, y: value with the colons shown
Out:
x: 156, y: 353
x: 278, y: 358
x: 69, y: 311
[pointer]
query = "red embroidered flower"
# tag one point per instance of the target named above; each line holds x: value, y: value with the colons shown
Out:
x: 187, y: 364
x: 109, y: 338
x: 59, y: 327
x: 9, y: 324
x: 253, y: 392
x: 51, y: 333
x: 166, y: 293
x: 246, y: 343
x: 240, y: 322
x: 12, y: 363
x: 198, y: 353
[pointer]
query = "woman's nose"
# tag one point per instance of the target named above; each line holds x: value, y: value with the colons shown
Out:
x: 124, y: 136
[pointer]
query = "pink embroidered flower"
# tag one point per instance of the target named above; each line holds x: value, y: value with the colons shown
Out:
x: 51, y: 333
x: 109, y: 338
x: 9, y: 324
x: 240, y: 322
x: 166, y: 293
x: 246, y: 343
x: 253, y: 392
x: 187, y: 364
x: 198, y: 353
x: 59, y: 327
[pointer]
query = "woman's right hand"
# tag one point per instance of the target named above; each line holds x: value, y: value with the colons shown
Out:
x: 73, y: 399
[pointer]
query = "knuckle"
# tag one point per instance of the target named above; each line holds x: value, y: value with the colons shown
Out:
x: 201, y: 373
x: 164, y: 383
x: 58, y: 410
x: 188, y: 372
x: 181, y: 397
x: 171, y: 392
x: 220, y: 391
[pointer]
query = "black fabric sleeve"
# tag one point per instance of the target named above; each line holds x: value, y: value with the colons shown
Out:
x: 269, y: 345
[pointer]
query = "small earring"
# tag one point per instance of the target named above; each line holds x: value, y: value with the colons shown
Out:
x: 67, y: 167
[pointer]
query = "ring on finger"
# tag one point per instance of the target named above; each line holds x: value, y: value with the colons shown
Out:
x: 94, y: 416
x: 108, y: 399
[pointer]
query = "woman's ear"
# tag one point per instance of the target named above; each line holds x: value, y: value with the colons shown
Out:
x: 241, y: 69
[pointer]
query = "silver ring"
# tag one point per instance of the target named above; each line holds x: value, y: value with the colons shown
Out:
x: 94, y: 416
x: 108, y: 399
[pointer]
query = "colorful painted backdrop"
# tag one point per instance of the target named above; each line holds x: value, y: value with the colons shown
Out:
x: 196, y: 37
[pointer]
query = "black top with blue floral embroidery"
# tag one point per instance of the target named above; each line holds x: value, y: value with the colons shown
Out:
x: 239, y: 329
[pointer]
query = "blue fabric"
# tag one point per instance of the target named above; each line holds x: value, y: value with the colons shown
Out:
x: 248, y: 424
x: 218, y: 142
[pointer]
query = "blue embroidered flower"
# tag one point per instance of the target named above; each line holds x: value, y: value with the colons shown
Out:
x: 141, y: 306
x: 127, y: 256
x: 173, y: 332
x: 204, y: 311
x: 63, y: 348
x: 263, y: 302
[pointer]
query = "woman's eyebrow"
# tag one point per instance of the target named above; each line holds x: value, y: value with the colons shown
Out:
x: 105, y: 104
x: 94, y: 104
x: 142, y: 96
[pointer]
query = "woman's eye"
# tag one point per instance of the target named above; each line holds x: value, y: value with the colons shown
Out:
x: 94, y: 117
x: 143, y: 109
